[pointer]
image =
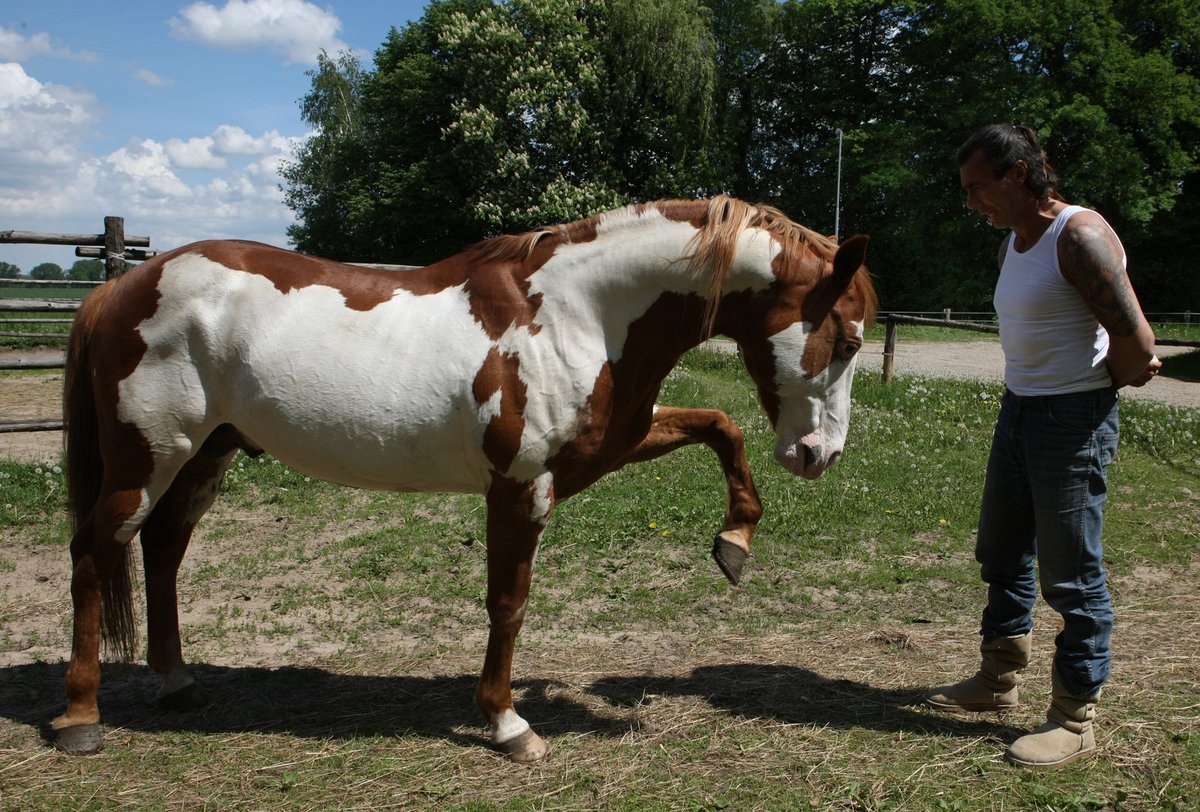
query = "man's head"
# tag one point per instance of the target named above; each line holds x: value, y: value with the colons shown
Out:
x: 1004, y: 146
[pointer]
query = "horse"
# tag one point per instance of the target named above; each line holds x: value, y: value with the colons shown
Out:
x: 523, y: 369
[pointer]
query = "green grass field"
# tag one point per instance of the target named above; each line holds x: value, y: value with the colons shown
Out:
x: 340, y: 634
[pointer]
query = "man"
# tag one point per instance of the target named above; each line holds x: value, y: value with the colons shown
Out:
x: 1073, y: 333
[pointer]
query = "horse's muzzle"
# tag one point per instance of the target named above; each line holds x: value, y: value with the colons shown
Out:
x: 806, y: 457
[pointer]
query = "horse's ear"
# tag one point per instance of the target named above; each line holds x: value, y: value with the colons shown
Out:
x: 849, y: 258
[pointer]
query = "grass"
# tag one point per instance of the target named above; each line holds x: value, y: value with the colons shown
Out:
x: 340, y: 634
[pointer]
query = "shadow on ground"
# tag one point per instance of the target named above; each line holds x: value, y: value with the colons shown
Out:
x: 320, y: 704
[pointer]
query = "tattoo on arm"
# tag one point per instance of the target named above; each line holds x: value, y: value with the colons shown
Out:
x: 1090, y: 258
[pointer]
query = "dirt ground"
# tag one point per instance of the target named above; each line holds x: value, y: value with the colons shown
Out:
x: 601, y: 698
x: 38, y: 395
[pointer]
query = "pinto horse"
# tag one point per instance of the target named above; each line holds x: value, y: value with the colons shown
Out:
x: 523, y: 369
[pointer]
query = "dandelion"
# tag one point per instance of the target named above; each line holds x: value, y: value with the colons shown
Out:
x: 943, y: 521
x: 653, y: 525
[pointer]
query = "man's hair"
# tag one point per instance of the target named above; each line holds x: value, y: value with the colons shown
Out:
x: 1002, y: 146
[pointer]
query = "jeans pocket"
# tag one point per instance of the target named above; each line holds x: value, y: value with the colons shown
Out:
x: 1083, y: 412
x: 1106, y: 447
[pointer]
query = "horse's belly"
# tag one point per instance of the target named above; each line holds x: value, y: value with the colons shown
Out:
x: 386, y: 431
x: 394, y: 463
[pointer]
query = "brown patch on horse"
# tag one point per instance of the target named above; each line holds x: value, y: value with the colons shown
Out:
x: 110, y: 350
x: 362, y: 288
x: 620, y: 408
x: 502, y: 437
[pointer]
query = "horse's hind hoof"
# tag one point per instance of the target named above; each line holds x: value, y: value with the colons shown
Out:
x: 524, y: 749
x: 79, y: 740
x: 730, y: 557
x: 189, y: 697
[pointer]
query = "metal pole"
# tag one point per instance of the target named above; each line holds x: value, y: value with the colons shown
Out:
x: 837, y: 206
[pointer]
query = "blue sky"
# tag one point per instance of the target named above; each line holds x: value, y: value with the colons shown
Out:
x: 173, y: 115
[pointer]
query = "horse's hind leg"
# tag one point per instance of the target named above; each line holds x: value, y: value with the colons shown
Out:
x: 165, y: 538
x: 674, y: 428
x: 99, y: 587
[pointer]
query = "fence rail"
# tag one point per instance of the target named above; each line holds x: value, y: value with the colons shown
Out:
x: 894, y: 319
x: 115, y: 247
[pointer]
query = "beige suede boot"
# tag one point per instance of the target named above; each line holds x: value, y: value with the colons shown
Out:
x: 994, y: 686
x: 1066, y: 735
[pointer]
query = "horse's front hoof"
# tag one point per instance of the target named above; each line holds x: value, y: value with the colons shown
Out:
x: 79, y: 740
x: 189, y: 697
x: 524, y: 749
x: 730, y: 557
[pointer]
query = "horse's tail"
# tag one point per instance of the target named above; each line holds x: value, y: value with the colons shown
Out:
x: 85, y: 472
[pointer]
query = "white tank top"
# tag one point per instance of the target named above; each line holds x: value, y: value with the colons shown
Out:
x: 1051, y: 340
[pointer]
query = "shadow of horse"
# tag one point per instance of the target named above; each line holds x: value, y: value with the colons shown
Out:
x: 320, y: 704
x: 797, y: 696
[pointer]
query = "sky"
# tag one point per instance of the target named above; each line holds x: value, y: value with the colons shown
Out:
x: 173, y: 115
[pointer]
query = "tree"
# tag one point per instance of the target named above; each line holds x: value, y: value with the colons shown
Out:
x: 9, y: 271
x: 89, y: 269
x: 481, y: 119
x: 46, y: 270
x: 486, y: 117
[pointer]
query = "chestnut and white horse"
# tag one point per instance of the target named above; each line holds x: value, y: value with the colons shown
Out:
x: 523, y: 369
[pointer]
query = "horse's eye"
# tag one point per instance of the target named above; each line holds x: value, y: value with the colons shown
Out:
x: 847, y: 349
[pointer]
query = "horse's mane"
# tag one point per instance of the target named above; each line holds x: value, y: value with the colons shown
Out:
x: 721, y: 221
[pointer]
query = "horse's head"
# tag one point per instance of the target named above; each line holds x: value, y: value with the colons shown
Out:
x: 800, y: 337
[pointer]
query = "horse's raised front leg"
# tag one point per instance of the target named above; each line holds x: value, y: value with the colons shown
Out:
x: 517, y: 515
x: 674, y: 428
x: 165, y: 538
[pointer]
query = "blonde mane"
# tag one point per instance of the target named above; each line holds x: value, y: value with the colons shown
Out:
x: 721, y: 222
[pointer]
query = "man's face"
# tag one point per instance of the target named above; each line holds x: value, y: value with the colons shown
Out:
x: 994, y: 198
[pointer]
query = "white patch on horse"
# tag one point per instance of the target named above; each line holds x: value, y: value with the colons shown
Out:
x: 814, y: 412
x: 130, y: 527
x: 379, y: 399
x: 507, y: 725
x: 543, y: 499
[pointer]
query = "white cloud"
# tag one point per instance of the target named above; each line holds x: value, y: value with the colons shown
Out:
x: 231, y: 140
x: 194, y: 153
x: 149, y: 77
x: 222, y: 184
x: 295, y: 29
x: 20, y: 48
x: 41, y: 125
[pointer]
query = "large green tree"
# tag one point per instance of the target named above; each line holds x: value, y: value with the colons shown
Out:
x: 89, y: 269
x: 46, y: 270
x: 480, y: 119
x: 487, y: 117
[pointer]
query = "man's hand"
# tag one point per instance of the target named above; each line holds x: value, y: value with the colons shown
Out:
x: 1148, y: 373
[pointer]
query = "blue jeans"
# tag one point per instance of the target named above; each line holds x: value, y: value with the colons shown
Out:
x: 1043, y: 500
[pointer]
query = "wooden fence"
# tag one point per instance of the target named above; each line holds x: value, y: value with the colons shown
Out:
x: 116, y: 248
x: 893, y: 320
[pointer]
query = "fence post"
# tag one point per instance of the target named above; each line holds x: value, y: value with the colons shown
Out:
x: 889, y: 348
x: 114, y: 247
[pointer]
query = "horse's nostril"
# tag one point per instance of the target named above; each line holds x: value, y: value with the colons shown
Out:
x: 810, y: 455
